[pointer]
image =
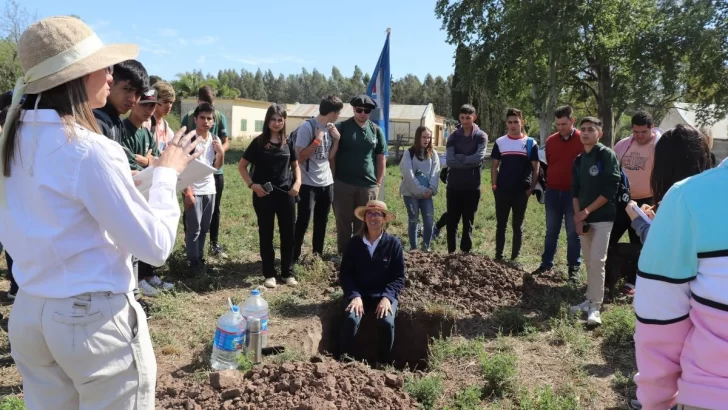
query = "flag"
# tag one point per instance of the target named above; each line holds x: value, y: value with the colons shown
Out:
x: 380, y: 90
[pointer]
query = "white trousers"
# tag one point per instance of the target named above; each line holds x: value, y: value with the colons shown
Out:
x: 88, y: 352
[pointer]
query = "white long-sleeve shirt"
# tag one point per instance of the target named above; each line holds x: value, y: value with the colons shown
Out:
x: 72, y: 226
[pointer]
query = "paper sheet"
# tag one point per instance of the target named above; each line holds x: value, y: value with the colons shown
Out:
x: 642, y: 214
x: 195, y: 172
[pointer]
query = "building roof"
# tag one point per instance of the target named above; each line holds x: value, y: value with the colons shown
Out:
x: 396, y: 111
x: 687, y: 113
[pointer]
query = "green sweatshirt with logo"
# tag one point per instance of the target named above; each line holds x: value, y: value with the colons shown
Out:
x: 138, y: 141
x: 597, y: 173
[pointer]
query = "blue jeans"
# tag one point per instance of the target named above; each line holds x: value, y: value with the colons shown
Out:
x: 415, y: 206
x: 559, y: 207
x: 385, y: 329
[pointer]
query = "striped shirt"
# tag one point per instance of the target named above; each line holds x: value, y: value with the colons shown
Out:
x: 681, y: 303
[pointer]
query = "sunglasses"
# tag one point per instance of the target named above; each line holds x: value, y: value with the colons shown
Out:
x: 363, y: 110
x: 375, y: 214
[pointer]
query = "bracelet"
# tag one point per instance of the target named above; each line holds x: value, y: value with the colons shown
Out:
x: 316, y: 142
x: 250, y: 184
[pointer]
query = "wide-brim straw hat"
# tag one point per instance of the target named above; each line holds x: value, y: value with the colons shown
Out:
x: 374, y: 205
x: 56, y: 50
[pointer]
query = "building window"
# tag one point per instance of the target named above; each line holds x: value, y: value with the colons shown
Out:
x: 258, y: 126
x: 243, y: 125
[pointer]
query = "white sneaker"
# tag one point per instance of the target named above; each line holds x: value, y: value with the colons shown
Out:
x: 158, y: 283
x: 291, y: 281
x: 270, y: 283
x: 594, y: 318
x: 580, y: 309
x: 146, y: 289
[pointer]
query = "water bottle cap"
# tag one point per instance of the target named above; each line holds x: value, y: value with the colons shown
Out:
x: 236, y: 309
x: 255, y: 292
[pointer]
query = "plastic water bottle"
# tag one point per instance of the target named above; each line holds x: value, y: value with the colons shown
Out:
x: 229, y: 340
x: 256, y: 306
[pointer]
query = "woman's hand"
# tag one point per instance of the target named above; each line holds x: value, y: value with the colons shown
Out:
x: 630, y: 211
x: 176, y: 155
x: 258, y: 189
x: 384, y: 308
x: 356, y: 306
x: 649, y: 211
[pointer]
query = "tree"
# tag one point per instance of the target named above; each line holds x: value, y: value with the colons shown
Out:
x: 13, y: 22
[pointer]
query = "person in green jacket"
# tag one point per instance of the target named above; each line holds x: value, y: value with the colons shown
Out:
x: 138, y: 141
x: 594, y: 185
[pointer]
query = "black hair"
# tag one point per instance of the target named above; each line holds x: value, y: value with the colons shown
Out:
x: 594, y: 120
x: 564, y: 112
x: 642, y: 118
x: 330, y: 104
x: 681, y: 152
x: 203, y: 107
x: 467, y: 109
x: 133, y: 72
x: 514, y: 112
x: 206, y: 94
x: 275, y: 109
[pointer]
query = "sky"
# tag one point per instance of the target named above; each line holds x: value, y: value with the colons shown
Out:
x: 281, y: 35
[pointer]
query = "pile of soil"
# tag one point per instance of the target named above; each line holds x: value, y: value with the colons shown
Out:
x: 303, y: 386
x: 471, y: 283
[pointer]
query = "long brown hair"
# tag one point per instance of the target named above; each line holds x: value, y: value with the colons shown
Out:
x: 680, y: 153
x: 69, y: 100
x: 417, y: 145
x: 265, y: 137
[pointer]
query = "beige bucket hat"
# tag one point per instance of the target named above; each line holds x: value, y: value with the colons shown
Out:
x: 54, y: 51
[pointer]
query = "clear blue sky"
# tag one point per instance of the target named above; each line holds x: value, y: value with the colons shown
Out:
x: 280, y: 35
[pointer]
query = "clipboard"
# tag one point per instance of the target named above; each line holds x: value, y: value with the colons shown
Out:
x: 196, y: 171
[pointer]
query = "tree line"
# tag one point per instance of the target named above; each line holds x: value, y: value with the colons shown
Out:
x: 309, y: 87
x: 608, y: 58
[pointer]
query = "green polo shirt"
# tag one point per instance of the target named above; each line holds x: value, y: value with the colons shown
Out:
x: 596, y: 174
x: 138, y: 141
x: 358, y: 150
x: 219, y: 127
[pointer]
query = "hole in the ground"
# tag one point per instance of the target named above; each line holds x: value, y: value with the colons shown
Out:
x: 413, y: 331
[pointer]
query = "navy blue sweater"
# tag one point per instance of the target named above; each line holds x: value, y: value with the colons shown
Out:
x: 465, y: 155
x: 375, y: 276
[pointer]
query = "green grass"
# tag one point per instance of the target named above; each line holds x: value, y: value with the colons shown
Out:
x: 618, y: 327
x: 467, y: 399
x: 426, y: 390
x: 499, y: 372
x: 12, y: 403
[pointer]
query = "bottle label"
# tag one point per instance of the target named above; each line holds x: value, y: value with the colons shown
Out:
x: 264, y: 325
x: 228, y: 341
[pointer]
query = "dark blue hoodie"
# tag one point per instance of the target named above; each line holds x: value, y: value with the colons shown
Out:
x: 465, y: 155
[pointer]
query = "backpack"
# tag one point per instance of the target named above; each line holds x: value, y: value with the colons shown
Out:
x: 623, y: 193
x: 292, y: 136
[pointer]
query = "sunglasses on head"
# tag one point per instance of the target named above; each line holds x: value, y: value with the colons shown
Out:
x: 360, y: 110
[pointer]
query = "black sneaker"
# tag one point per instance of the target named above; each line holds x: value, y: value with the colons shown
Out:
x: 540, y: 271
x: 498, y: 258
x: 574, y: 273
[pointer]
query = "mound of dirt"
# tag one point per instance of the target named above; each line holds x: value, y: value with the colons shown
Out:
x: 299, y: 385
x: 471, y: 283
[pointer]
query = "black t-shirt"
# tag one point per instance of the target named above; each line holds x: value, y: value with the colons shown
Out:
x: 271, y: 163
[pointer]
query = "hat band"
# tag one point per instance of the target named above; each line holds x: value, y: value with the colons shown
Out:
x: 60, y: 61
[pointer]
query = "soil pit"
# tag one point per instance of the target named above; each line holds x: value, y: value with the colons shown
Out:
x: 299, y: 385
x: 472, y: 284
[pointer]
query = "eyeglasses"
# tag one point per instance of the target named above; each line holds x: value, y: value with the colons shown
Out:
x: 110, y: 69
x: 375, y: 214
x: 276, y: 120
x: 363, y: 110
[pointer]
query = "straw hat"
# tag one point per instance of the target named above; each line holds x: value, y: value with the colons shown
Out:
x: 374, y: 205
x: 54, y: 51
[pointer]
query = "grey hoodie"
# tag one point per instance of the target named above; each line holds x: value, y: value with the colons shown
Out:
x: 465, y: 155
x: 409, y: 165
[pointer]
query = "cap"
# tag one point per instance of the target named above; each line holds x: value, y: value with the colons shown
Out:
x: 255, y: 292
x: 149, y: 96
x: 363, y: 100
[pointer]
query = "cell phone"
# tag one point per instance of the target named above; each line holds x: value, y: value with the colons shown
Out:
x: 268, y: 187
